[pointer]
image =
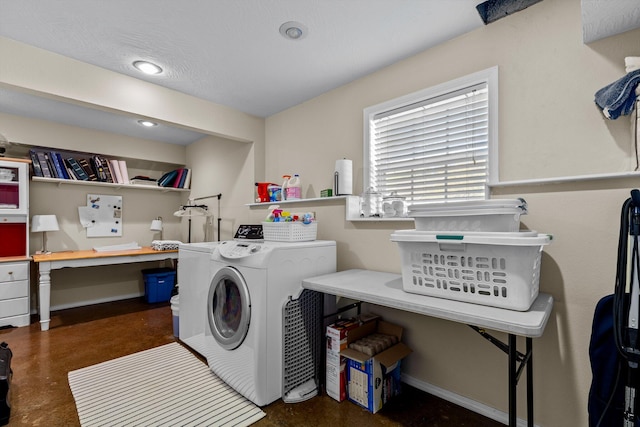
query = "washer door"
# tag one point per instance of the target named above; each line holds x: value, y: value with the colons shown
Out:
x: 229, y: 308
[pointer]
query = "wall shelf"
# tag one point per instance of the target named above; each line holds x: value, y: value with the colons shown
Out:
x: 61, y: 182
x: 315, y: 200
x: 352, y: 207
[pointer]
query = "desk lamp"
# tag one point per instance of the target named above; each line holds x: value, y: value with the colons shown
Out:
x: 156, y: 225
x: 44, y: 223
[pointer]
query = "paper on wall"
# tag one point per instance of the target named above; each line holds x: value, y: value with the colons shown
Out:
x: 88, y: 216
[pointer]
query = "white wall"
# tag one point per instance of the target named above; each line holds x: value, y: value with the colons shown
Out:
x: 548, y: 127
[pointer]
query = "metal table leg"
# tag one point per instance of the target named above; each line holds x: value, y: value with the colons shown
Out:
x: 516, y: 364
x: 513, y: 381
x: 530, y: 382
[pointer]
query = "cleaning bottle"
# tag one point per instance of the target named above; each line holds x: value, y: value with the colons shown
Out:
x: 294, y: 188
x: 285, y: 184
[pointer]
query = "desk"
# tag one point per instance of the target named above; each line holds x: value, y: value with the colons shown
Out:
x: 88, y: 258
x: 385, y: 289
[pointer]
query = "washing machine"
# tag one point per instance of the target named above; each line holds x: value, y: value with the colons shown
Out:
x: 249, y: 323
x: 194, y: 277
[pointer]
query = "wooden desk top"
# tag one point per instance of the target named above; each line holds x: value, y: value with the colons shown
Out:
x: 71, y: 255
x: 15, y: 258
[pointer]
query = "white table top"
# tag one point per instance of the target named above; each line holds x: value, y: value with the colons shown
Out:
x: 385, y: 289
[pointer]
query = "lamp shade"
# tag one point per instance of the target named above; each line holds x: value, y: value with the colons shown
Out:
x: 156, y: 224
x: 44, y: 223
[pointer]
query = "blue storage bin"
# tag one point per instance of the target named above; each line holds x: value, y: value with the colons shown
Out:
x: 158, y: 283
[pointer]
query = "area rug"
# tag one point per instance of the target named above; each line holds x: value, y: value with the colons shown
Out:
x: 163, y: 386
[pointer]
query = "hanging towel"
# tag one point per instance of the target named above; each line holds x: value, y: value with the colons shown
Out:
x: 618, y: 98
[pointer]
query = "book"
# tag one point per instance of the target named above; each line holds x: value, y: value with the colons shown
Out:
x: 72, y: 176
x: 149, y: 182
x: 187, y: 180
x: 52, y: 167
x: 123, y: 171
x: 84, y: 164
x: 98, y: 168
x: 176, y: 182
x: 77, y: 169
x: 115, y: 171
x: 183, y: 177
x: 167, y: 179
x: 61, y: 170
x: 107, y: 169
x: 35, y: 163
x: 44, y: 164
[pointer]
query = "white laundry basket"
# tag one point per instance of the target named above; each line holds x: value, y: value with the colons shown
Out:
x: 295, y: 231
x: 480, y: 215
x: 495, y: 269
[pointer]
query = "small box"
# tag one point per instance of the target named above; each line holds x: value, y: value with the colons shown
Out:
x: 326, y: 193
x: 336, y: 376
x: 158, y: 283
x: 335, y: 372
x: 372, y: 381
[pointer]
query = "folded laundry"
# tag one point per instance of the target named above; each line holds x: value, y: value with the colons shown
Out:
x: 619, y: 97
x: 632, y: 63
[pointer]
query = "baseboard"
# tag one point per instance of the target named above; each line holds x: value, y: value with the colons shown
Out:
x: 465, y: 402
x: 96, y: 301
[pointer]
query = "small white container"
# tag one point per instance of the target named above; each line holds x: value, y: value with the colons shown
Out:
x: 484, y: 215
x: 494, y: 269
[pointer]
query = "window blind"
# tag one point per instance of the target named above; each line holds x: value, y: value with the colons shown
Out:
x: 433, y: 150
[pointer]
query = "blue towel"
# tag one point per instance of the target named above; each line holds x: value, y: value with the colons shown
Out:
x: 618, y: 98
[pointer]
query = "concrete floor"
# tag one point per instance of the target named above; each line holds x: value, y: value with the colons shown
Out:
x: 79, y: 337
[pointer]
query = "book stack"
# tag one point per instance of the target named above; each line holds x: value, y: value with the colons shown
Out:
x: 52, y: 164
x: 178, y: 178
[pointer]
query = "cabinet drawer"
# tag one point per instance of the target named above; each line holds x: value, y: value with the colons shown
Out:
x: 10, y: 271
x: 14, y: 307
x: 17, y: 289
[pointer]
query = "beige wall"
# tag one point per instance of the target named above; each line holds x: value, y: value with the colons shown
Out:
x: 548, y: 127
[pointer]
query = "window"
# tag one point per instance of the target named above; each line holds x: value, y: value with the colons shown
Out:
x: 436, y: 145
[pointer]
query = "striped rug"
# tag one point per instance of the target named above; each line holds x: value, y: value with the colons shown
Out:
x: 163, y: 386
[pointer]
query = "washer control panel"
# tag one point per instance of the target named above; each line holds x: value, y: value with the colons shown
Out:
x: 234, y: 249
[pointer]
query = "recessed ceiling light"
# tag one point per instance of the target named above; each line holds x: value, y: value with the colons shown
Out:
x: 147, y: 67
x: 293, y: 30
x: 147, y: 123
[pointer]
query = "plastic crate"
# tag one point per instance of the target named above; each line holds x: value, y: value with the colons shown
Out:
x: 295, y: 231
x: 483, y: 215
x: 494, y: 269
x: 158, y: 283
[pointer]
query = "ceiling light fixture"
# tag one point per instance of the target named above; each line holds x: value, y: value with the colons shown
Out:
x: 293, y: 30
x: 147, y: 123
x: 147, y: 67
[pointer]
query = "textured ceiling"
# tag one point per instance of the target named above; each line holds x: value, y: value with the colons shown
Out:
x: 602, y: 19
x: 230, y: 52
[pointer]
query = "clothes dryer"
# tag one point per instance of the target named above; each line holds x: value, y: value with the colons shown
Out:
x: 251, y: 285
x: 194, y: 277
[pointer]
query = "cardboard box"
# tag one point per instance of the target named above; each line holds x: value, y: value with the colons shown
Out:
x: 372, y: 381
x: 335, y: 372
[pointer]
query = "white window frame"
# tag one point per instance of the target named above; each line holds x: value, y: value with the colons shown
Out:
x: 488, y: 76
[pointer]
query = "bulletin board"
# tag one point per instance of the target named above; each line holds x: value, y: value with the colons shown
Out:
x: 102, y: 217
